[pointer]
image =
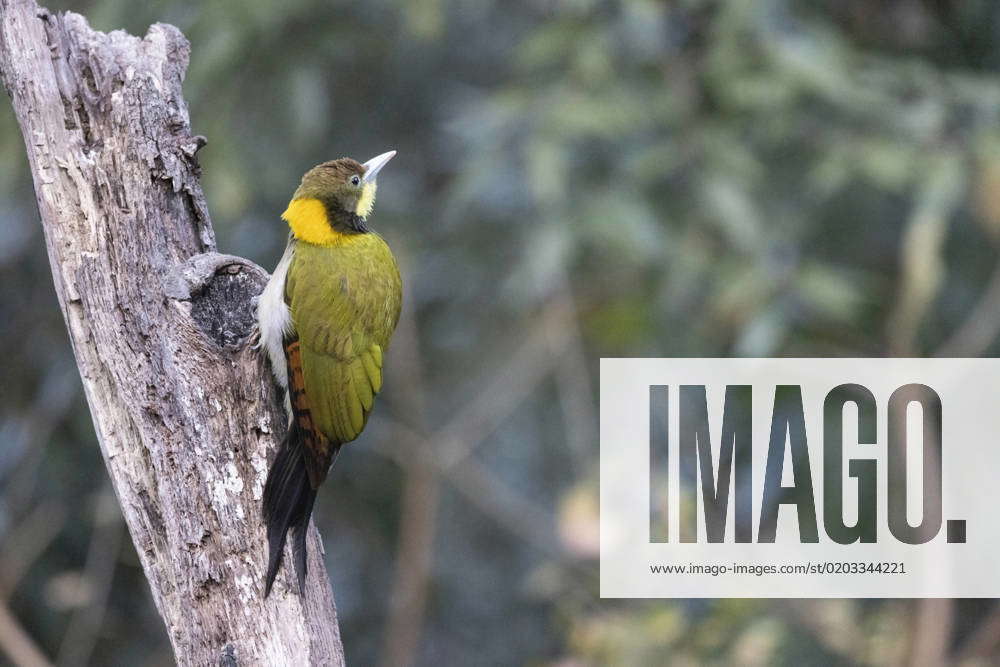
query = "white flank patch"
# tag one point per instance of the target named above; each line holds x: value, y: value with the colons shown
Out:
x: 273, y: 317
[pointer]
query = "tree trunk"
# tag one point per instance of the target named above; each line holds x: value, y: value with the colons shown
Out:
x: 184, y: 408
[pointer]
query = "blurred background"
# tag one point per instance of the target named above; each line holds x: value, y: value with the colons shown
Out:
x: 575, y: 179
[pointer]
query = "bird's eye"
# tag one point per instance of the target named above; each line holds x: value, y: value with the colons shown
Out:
x: 355, y: 180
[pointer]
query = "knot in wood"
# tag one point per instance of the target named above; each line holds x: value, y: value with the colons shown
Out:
x: 222, y: 290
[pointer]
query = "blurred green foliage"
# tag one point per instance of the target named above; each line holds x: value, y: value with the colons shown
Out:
x: 695, y: 178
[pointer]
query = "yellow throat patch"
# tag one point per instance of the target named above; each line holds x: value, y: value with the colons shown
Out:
x: 367, y: 200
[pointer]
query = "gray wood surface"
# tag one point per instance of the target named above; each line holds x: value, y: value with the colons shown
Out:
x: 184, y: 409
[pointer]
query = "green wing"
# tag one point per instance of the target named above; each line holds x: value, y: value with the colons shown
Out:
x: 341, y: 392
x: 345, y: 304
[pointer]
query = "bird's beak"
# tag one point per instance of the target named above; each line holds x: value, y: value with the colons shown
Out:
x: 374, y: 166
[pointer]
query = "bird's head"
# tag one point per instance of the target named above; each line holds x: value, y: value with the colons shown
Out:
x: 334, y: 199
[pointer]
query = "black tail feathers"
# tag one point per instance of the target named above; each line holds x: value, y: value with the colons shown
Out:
x: 288, y: 503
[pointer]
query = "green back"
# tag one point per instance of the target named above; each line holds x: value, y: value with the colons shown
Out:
x: 345, y: 303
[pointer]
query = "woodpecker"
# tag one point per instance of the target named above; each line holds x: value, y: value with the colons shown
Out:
x: 325, y: 320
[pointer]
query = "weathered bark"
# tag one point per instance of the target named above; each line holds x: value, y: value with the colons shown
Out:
x: 184, y: 409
